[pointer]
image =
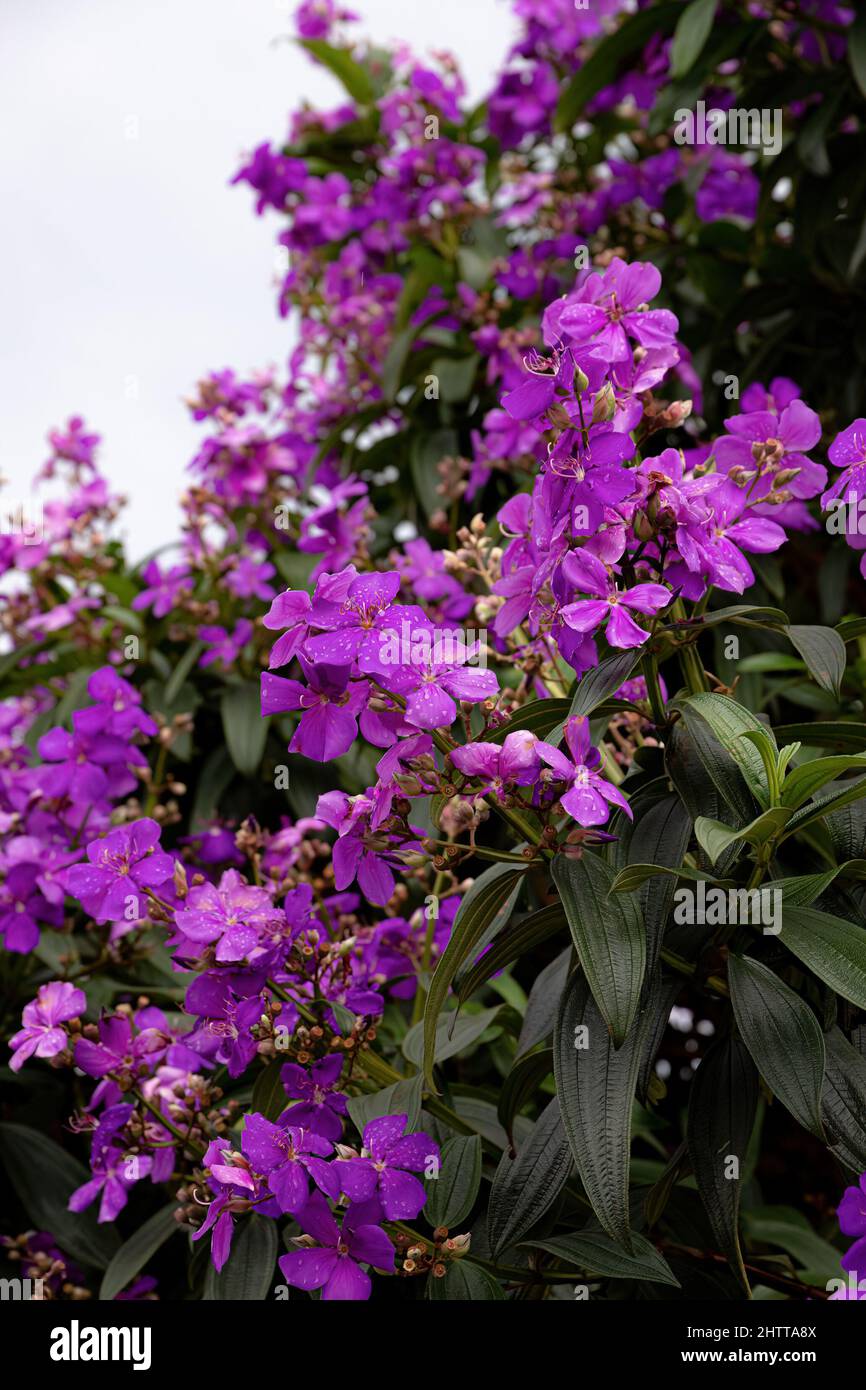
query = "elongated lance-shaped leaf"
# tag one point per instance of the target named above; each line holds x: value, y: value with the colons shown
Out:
x: 520, y: 1085
x: 487, y: 896
x: 728, y: 721
x: 525, y: 1187
x: 134, y: 1254
x: 542, y: 1005
x: 833, y: 949
x: 722, y: 1107
x: 844, y: 1101
x: 659, y: 836
x: 783, y: 1036
x: 708, y: 780
x: 595, y: 1084
x: 803, y: 782
x: 609, y: 937
x: 451, y: 1195
x: 599, y: 1256
x: 823, y: 651
x: 514, y: 942
x: 843, y: 795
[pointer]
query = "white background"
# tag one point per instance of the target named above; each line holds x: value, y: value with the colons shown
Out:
x: 129, y: 266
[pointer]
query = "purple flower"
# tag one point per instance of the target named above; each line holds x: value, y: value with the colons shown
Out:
x: 590, y: 576
x: 611, y: 308
x: 514, y: 762
x: 331, y: 704
x: 766, y: 444
x: 589, y: 797
x: 288, y: 1156
x: 55, y: 1003
x: 385, y: 1167
x: 353, y: 617
x: 320, y: 1105
x: 234, y: 915
x: 163, y: 591
x: 123, y: 861
x: 86, y: 766
x: 427, y: 665
x: 334, y: 1265
x: 852, y: 1222
x: 115, y: 1173
x: 223, y: 646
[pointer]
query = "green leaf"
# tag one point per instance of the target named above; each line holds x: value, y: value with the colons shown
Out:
x: 783, y: 1036
x: 44, y: 1177
x: 844, y: 795
x: 451, y: 1196
x: 542, y: 1005
x: 464, y: 1282
x: 805, y: 889
x: 856, y: 50
x: 693, y: 29
x: 722, y: 1107
x: 823, y: 651
x: 248, y: 1272
x: 453, y: 1035
x: 340, y: 62
x: 714, y: 838
x: 844, y: 1100
x: 244, y: 728
x: 525, y: 1187
x: 791, y: 1232
x: 428, y: 449
x: 595, y: 1084
x: 608, y: 935
x: 802, y: 782
x: 479, y: 908
x: 705, y: 775
x: 400, y: 1098
x: 727, y: 721
x: 824, y: 734
x: 269, y: 1094
x: 513, y: 943
x: 604, y: 63
x: 602, y: 681
x: 520, y: 1085
x: 539, y: 717
x: 600, y: 1257
x: 174, y: 684
x: 833, y: 949
x: 659, y: 835
x: 630, y: 879
x: 134, y: 1254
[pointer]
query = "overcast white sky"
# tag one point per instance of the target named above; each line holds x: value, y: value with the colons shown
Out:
x: 129, y: 267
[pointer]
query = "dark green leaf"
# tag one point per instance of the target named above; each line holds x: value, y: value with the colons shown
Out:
x: 728, y: 721
x: 783, y: 1036
x: 464, y: 1282
x: 521, y: 1084
x: 453, y: 1035
x: 600, y: 1257
x: 513, y: 943
x: 722, y: 1107
x: 833, y: 949
x: 478, y: 910
x: 608, y: 935
x: 526, y: 1187
x: 595, y: 1084
x: 823, y: 651
x: 244, y: 728
x: 134, y: 1254
x: 44, y: 1177
x: 269, y: 1094
x: 400, y: 1098
x: 451, y: 1196
x: 542, y: 1005
x: 844, y: 1100
x: 693, y: 29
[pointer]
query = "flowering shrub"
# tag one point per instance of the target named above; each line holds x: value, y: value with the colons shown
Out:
x: 366, y: 859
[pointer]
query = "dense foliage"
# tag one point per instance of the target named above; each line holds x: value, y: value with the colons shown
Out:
x: 447, y: 861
